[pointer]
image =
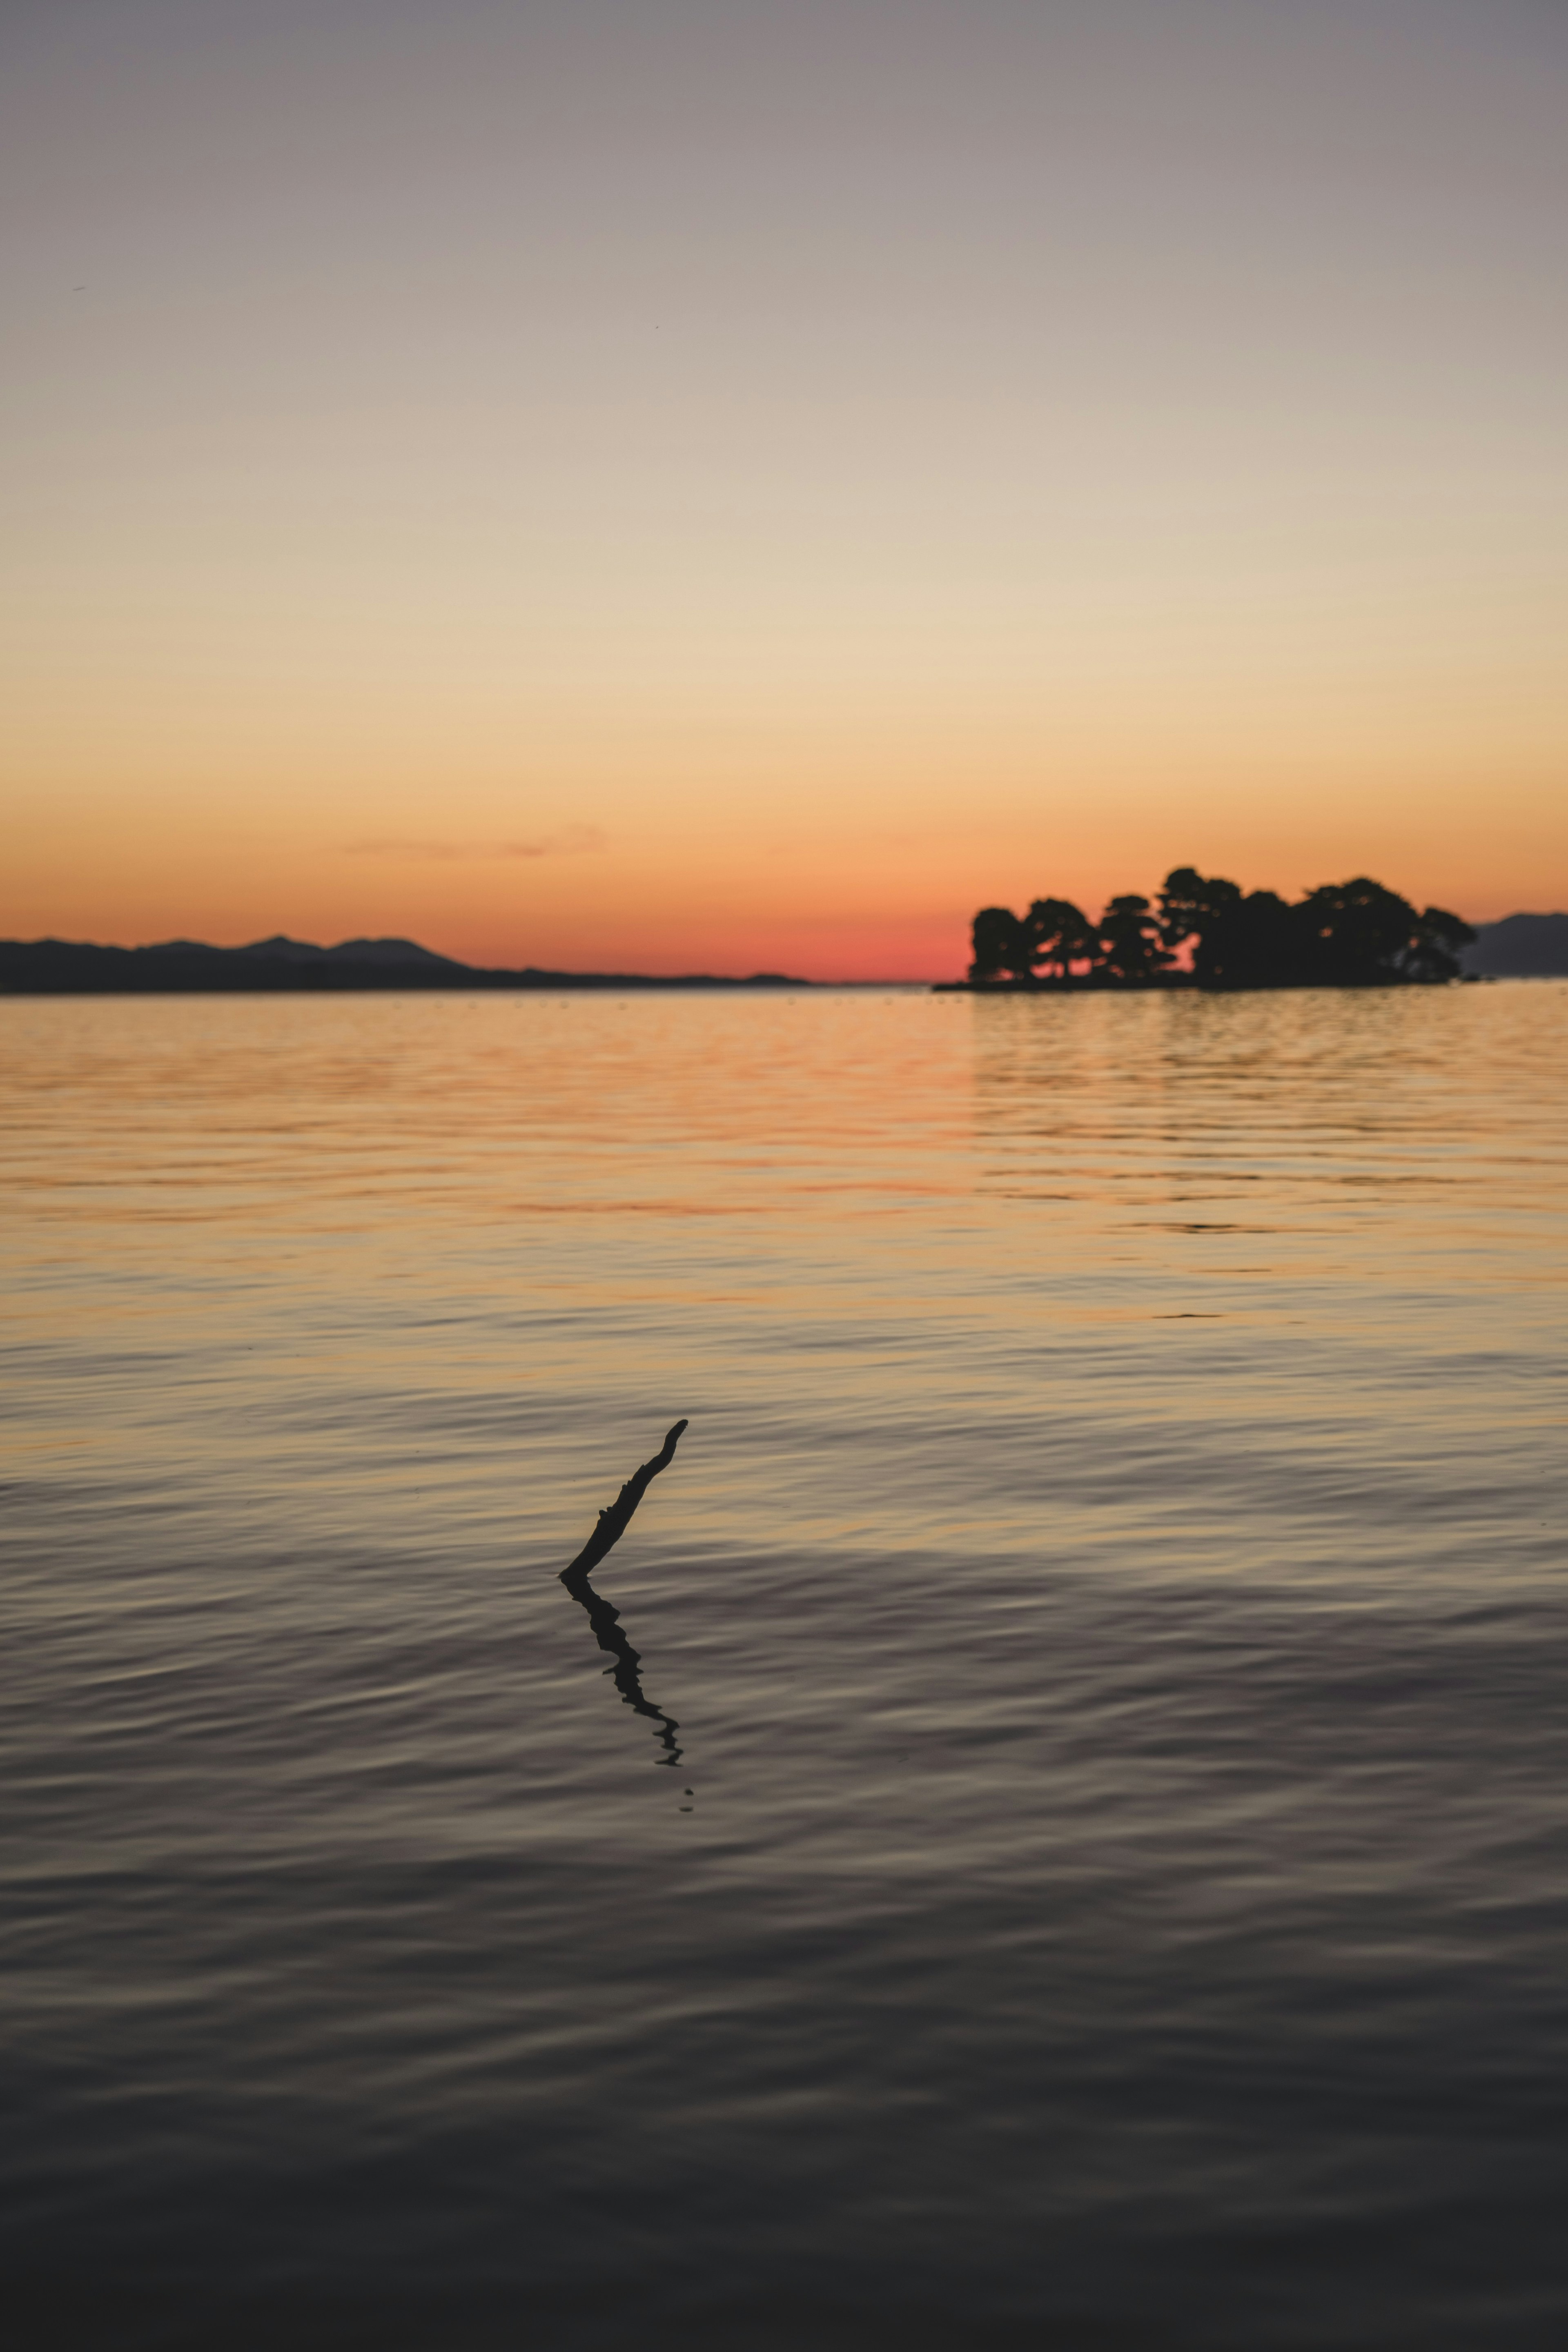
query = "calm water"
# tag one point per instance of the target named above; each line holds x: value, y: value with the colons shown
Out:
x: 1094, y: 1872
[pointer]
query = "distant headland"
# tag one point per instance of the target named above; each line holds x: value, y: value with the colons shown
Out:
x: 1520, y: 947
x: 283, y: 966
x: 1356, y: 934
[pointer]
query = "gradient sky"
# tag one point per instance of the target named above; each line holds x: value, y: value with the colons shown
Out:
x: 691, y: 487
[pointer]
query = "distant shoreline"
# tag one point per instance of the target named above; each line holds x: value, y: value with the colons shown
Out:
x: 293, y: 968
x: 1520, y: 946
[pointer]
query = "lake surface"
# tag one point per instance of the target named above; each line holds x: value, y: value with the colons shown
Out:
x: 1082, y: 1859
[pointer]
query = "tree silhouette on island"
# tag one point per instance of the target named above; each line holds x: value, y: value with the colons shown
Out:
x: 1341, y: 935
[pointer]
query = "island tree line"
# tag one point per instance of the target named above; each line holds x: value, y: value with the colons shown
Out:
x: 1342, y: 935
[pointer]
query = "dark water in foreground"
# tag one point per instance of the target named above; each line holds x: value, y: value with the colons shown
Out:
x: 1097, y: 1872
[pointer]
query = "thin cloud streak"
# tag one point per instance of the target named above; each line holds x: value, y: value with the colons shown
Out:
x: 572, y: 841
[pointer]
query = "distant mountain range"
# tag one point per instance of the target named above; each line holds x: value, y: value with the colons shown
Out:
x: 288, y: 950
x: 1520, y: 947
x: 280, y: 965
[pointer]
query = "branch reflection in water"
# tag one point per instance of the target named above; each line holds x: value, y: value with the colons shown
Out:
x: 626, y: 1664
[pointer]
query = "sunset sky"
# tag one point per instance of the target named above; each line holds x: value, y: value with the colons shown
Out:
x: 677, y: 487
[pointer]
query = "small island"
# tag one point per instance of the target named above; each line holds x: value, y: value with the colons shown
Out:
x: 1206, y: 932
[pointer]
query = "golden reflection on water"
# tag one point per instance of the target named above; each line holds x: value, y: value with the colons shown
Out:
x: 865, y: 1195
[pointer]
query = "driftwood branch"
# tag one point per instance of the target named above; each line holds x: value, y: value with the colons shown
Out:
x: 613, y: 1523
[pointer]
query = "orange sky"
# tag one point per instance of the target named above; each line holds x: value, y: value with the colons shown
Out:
x: 686, y: 489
